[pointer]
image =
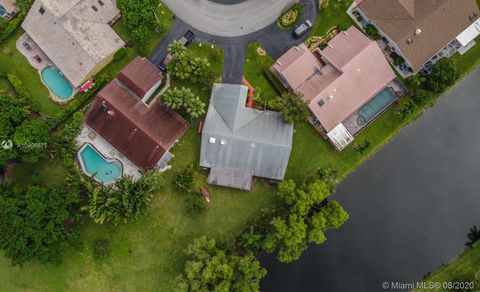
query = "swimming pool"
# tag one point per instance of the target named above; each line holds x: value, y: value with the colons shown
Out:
x: 94, y: 164
x: 57, y: 83
x: 377, y: 104
x: 2, y: 11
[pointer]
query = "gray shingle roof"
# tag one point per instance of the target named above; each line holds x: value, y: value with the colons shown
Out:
x: 244, y: 140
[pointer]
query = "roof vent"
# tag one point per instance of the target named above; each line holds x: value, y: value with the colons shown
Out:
x: 409, y: 41
x: 104, y: 107
x: 212, y: 140
x: 223, y: 142
x: 418, y: 31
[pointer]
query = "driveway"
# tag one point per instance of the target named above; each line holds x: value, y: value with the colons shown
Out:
x: 273, y: 39
x: 228, y: 20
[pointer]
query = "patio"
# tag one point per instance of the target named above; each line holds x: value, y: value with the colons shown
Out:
x: 39, y: 61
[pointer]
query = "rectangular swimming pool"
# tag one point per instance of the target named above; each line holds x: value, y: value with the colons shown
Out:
x: 376, y: 105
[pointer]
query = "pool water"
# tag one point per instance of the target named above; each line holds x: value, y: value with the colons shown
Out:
x: 2, y: 11
x: 57, y: 83
x: 377, y: 104
x: 94, y: 164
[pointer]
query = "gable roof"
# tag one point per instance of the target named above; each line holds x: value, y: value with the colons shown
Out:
x: 440, y: 22
x: 297, y: 65
x: 73, y: 35
x: 143, y: 134
x: 247, y: 141
x: 140, y: 76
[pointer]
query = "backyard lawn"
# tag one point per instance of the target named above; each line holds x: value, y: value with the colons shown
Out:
x: 462, y: 269
x: 148, y: 254
x: 12, y: 61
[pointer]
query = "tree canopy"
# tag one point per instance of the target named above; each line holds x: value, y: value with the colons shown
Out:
x: 125, y: 201
x: 308, y: 217
x: 209, y: 268
x: 292, y: 106
x: 183, y: 98
x: 444, y: 74
x: 31, y: 138
x: 37, y: 223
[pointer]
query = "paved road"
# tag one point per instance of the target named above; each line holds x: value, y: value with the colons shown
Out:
x: 273, y: 39
x: 410, y: 206
x: 228, y: 20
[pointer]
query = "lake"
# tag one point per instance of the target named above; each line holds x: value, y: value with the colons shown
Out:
x: 411, y: 205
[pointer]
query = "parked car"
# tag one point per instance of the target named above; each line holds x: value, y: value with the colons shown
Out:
x: 302, y: 29
x: 187, y: 38
x: 165, y: 61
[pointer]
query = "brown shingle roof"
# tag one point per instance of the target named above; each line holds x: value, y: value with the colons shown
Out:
x: 140, y: 76
x: 143, y: 134
x: 440, y: 22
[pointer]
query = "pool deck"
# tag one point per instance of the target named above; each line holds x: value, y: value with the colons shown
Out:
x: 351, y: 122
x: 32, y: 54
x: 87, y: 135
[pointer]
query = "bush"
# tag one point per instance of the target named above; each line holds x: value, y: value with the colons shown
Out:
x: 101, y: 249
x: 184, y: 181
x: 397, y: 60
x: 443, y: 75
x: 372, y: 31
x: 196, y: 204
x: 423, y: 94
x: 289, y: 18
x: 362, y: 147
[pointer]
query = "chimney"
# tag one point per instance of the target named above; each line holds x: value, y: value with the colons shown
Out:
x: 418, y: 31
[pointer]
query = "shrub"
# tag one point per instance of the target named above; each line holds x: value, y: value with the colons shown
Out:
x: 423, y: 94
x: 362, y: 147
x: 397, y: 60
x: 184, y: 181
x: 196, y: 203
x: 444, y: 75
x: 101, y: 249
x: 372, y: 31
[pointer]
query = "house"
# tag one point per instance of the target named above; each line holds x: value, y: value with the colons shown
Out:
x: 7, y: 9
x: 239, y: 143
x: 75, y: 35
x: 142, y: 133
x: 423, y: 31
x: 346, y: 85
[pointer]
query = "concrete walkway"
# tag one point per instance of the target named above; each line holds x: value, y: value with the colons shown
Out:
x: 228, y: 20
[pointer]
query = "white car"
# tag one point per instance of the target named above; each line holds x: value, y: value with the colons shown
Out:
x: 302, y: 29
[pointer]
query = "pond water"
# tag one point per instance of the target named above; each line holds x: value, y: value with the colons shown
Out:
x: 410, y: 206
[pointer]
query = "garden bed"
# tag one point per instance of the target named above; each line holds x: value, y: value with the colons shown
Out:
x: 290, y: 18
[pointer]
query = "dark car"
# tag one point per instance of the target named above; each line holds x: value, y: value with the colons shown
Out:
x: 165, y: 61
x: 187, y: 38
x: 302, y: 29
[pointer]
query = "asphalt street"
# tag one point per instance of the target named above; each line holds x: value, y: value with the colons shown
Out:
x: 274, y: 40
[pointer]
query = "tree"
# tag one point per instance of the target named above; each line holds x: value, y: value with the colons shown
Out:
x: 12, y: 115
x: 184, y: 181
x: 37, y: 223
x: 444, y: 74
x: 184, y: 98
x: 473, y: 236
x: 31, y: 138
x: 372, y: 31
x: 125, y: 201
x: 308, y: 216
x: 66, y: 143
x: 139, y: 17
x: 212, y: 269
x: 292, y: 106
x: 177, y: 49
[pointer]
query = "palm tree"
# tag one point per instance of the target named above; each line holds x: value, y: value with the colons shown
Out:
x: 177, y: 49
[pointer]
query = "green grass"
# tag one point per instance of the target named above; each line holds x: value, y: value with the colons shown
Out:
x: 12, y: 61
x: 332, y: 13
x: 467, y: 264
x: 147, y: 254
